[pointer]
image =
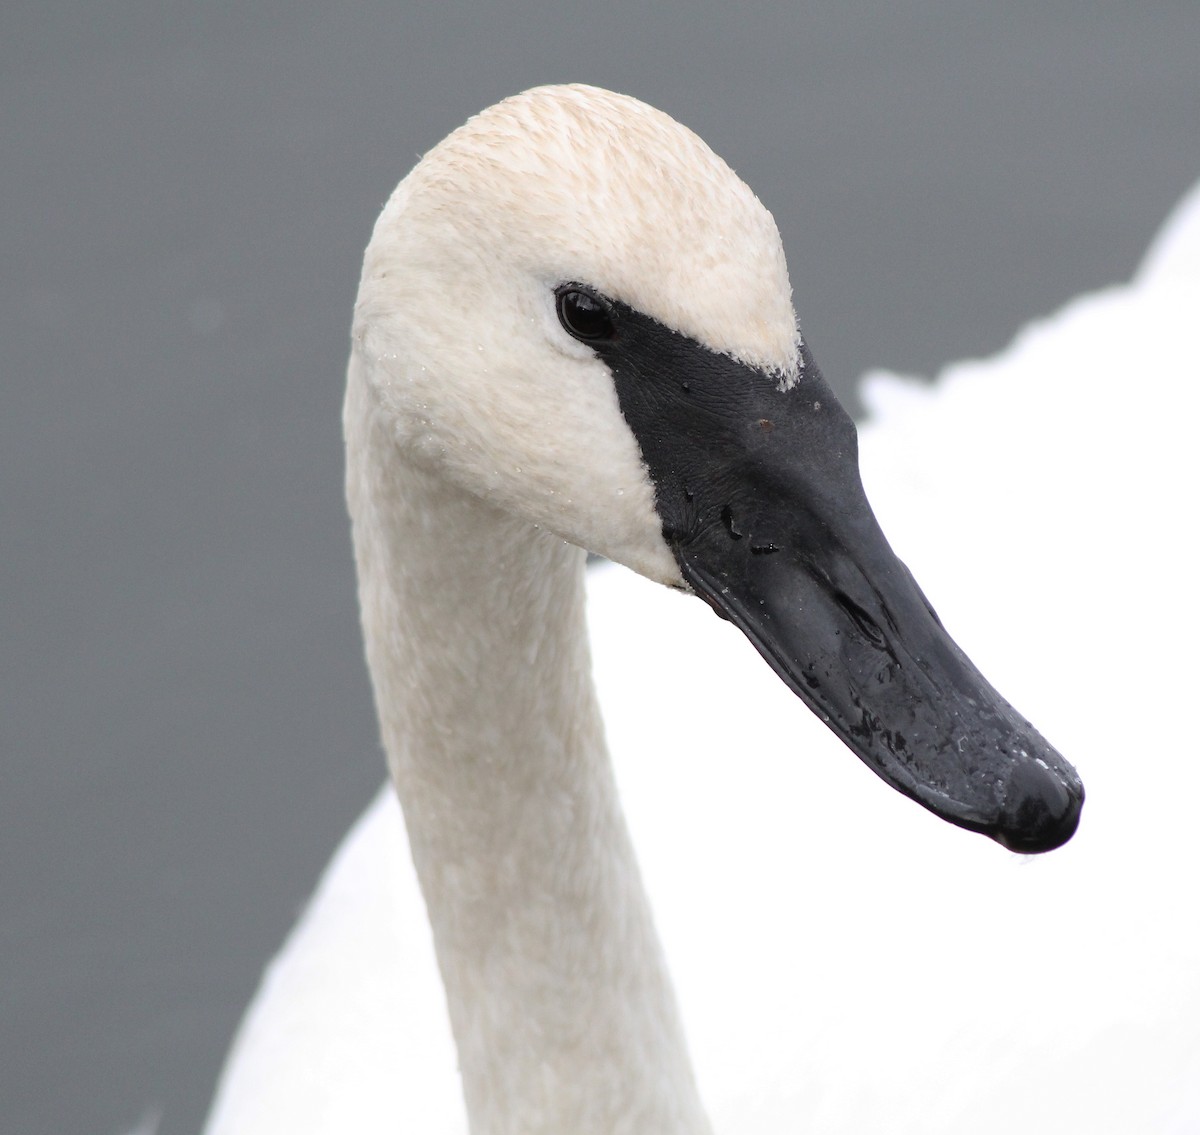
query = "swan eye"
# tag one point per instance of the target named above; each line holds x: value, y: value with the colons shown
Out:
x: 585, y: 316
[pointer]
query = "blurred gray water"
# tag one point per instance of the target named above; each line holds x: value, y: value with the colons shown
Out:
x: 186, y: 727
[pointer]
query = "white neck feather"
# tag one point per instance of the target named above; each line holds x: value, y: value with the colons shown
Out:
x: 559, y: 999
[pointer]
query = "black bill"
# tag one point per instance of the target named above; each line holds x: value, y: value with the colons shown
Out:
x: 762, y: 504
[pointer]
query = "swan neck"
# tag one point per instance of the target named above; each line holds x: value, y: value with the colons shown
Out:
x: 559, y: 999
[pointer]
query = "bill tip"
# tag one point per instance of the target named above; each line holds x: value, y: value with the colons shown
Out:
x: 1041, y: 809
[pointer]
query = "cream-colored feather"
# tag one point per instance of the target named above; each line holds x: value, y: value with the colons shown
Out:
x: 485, y: 449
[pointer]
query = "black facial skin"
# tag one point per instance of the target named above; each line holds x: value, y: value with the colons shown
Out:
x: 763, y: 508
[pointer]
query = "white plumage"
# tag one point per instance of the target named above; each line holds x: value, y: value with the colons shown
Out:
x: 843, y: 961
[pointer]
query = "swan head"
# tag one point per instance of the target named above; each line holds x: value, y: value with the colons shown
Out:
x: 574, y: 310
x: 457, y: 316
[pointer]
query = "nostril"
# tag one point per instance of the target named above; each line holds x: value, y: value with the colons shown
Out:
x: 1041, y: 811
x: 730, y: 523
x: 860, y: 618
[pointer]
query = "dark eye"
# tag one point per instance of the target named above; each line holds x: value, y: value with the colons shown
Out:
x: 584, y: 315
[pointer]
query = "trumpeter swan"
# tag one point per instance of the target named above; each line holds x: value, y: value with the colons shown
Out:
x: 574, y: 330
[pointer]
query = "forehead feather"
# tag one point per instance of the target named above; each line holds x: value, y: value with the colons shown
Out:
x: 576, y: 183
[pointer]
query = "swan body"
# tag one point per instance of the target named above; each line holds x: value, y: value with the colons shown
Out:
x: 842, y: 962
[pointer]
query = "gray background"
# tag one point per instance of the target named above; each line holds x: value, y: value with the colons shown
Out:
x: 185, y: 192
